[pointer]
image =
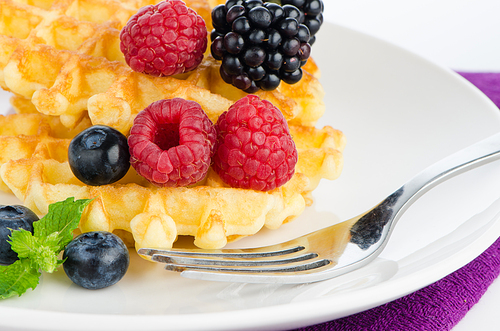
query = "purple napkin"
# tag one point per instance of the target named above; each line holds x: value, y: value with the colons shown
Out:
x: 439, y: 306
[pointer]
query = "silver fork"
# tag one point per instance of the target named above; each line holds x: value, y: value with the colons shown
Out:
x: 328, y: 252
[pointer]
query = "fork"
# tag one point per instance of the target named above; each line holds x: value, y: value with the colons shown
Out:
x: 329, y: 252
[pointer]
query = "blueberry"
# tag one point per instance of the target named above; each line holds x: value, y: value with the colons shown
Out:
x: 99, y: 155
x: 13, y: 217
x: 96, y: 260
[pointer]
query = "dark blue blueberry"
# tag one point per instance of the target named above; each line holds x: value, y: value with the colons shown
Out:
x: 99, y: 155
x: 96, y: 260
x: 13, y: 217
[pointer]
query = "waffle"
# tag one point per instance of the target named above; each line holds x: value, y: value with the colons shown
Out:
x: 62, y: 63
x: 34, y: 166
x: 76, y: 68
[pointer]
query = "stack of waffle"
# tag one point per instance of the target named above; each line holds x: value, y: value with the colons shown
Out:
x: 61, y: 61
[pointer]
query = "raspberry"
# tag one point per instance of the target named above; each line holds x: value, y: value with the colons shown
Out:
x: 171, y: 142
x: 254, y: 146
x: 164, y: 39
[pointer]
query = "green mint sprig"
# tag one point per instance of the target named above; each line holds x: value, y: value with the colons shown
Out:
x: 40, y: 251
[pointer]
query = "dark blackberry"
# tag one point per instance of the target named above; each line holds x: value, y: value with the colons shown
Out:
x: 311, y: 14
x: 234, y: 12
x: 260, y: 43
x: 233, y: 43
x: 294, y: 12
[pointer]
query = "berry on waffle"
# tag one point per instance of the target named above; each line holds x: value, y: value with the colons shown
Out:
x: 62, y: 62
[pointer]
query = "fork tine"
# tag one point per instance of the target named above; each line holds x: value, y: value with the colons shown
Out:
x: 181, y: 260
x: 269, y: 270
x: 228, y: 253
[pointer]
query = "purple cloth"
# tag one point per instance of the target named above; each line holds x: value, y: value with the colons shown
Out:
x: 439, y: 306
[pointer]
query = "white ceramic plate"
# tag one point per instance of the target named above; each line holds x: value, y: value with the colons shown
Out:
x: 400, y: 114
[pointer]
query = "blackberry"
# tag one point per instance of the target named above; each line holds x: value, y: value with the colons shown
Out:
x: 311, y: 14
x: 260, y: 43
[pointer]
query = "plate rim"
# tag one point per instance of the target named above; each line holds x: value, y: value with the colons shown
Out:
x: 294, y: 317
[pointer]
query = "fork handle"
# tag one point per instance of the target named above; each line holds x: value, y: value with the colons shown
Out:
x: 478, y: 154
x: 386, y: 214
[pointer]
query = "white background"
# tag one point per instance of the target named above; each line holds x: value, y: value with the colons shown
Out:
x: 463, y: 35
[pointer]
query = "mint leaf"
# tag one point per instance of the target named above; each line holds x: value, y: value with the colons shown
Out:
x: 40, y: 251
x: 22, y: 242
x: 17, y: 278
x: 63, y: 217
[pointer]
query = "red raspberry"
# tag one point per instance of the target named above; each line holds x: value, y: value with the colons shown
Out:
x: 171, y: 142
x: 164, y: 39
x: 254, y: 146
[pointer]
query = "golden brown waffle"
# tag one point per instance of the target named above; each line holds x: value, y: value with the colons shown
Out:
x: 34, y: 166
x: 62, y: 63
x: 64, y: 57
